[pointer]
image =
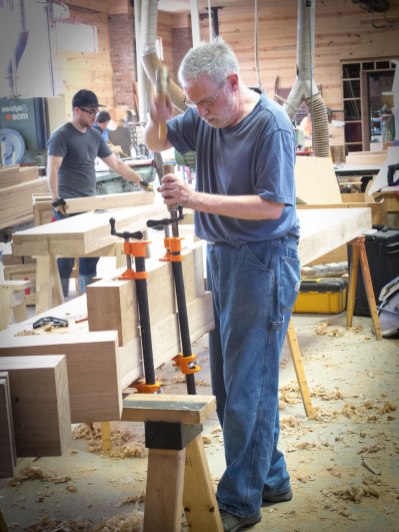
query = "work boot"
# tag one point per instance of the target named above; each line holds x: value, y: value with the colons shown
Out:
x: 234, y: 523
x: 269, y: 499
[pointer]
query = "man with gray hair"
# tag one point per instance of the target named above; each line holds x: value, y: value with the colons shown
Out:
x: 244, y: 206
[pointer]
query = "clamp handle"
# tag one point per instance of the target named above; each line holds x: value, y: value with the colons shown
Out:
x: 125, y: 235
x: 160, y: 224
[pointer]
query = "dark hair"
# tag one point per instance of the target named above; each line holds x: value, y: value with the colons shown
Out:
x: 102, y: 117
x: 85, y: 98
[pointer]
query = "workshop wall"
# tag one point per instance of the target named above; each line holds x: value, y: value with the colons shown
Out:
x: 343, y: 32
x: 88, y: 70
x: 121, y: 30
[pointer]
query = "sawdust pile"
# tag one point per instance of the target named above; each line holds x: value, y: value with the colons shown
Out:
x: 36, y: 473
x: 53, y: 525
x: 121, y: 523
x: 323, y: 329
x: 123, y: 442
x: 357, y: 493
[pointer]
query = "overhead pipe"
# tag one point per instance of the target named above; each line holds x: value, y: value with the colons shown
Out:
x: 142, y: 80
x: 195, y: 23
x: 305, y: 88
x: 22, y: 41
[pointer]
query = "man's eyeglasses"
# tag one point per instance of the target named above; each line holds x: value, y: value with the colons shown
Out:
x: 91, y: 112
x: 207, y: 102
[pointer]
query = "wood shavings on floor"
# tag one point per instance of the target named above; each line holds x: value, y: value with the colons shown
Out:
x: 124, y: 444
x: 36, y: 473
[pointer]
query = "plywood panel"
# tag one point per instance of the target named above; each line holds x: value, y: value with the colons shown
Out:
x: 316, y: 181
x: 40, y: 404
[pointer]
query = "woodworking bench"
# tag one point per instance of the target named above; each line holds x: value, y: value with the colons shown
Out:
x: 12, y: 301
x: 83, y: 235
x: 322, y: 230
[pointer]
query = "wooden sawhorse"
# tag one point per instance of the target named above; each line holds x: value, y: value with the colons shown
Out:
x: 299, y: 370
x: 359, y: 252
x: 178, y: 474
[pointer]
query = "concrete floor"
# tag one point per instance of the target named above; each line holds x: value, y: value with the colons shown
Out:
x: 343, y: 463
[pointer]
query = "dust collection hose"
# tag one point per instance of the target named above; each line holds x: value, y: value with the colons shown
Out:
x: 320, y: 131
x: 305, y: 88
x: 149, y: 59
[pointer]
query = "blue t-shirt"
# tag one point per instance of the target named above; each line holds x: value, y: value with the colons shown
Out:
x: 99, y: 128
x: 255, y: 156
x: 77, y: 175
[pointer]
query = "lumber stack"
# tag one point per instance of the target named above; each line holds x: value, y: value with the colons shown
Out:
x: 17, y: 185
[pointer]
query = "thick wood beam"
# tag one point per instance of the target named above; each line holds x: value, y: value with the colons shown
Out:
x: 39, y: 403
x: 93, y: 369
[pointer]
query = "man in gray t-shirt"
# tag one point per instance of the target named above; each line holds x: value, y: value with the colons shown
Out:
x: 72, y: 150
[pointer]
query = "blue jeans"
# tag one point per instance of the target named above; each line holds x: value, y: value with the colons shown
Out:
x: 254, y: 289
x: 87, y: 267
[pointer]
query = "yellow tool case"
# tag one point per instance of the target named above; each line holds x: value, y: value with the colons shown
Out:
x: 321, y: 296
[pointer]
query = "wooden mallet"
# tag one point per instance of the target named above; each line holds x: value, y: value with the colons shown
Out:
x: 162, y: 91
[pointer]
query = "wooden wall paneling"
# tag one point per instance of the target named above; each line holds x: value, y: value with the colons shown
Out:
x: 88, y: 70
x: 40, y: 404
x: 342, y: 31
x: 8, y: 456
x: 93, y: 369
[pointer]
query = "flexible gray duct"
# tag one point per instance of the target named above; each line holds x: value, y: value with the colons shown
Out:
x: 151, y: 63
x: 305, y: 88
x: 19, y: 50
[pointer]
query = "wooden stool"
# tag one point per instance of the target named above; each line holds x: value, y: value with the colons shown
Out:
x: 359, y: 252
x: 178, y: 475
x: 8, y: 303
